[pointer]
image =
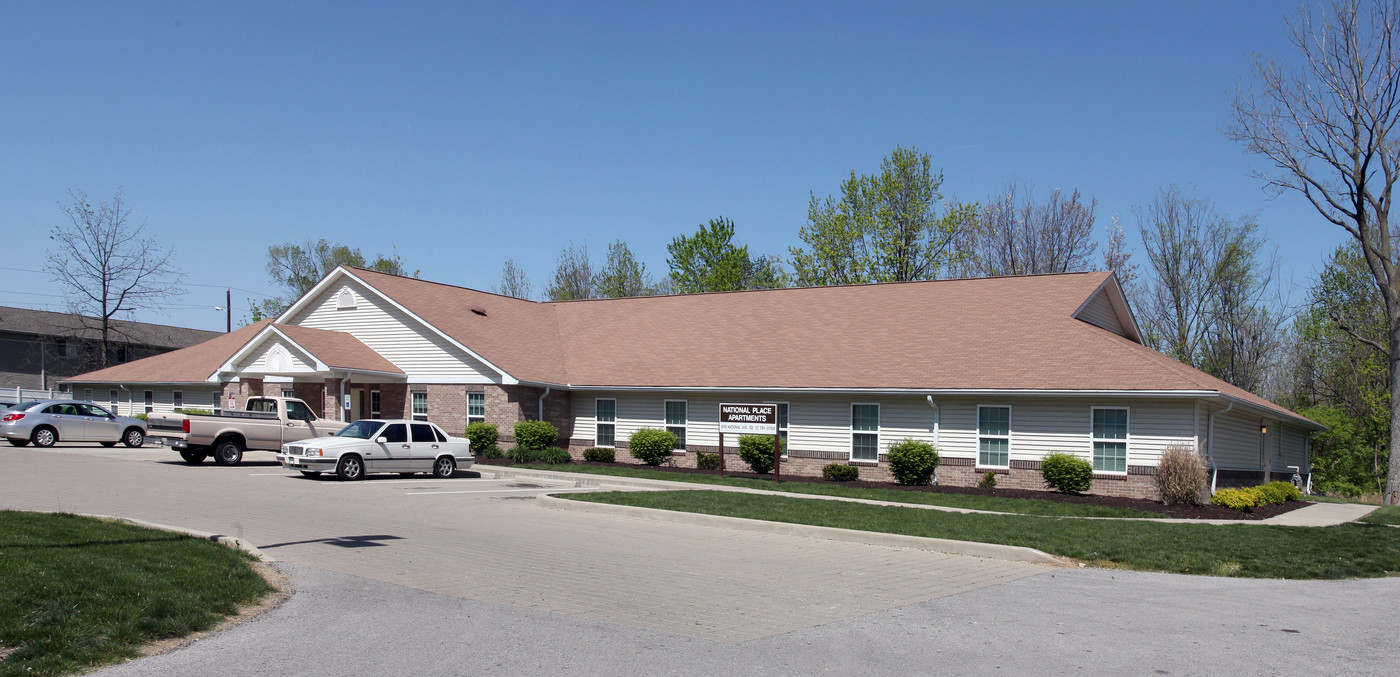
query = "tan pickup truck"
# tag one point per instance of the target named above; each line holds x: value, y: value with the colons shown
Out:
x: 264, y: 424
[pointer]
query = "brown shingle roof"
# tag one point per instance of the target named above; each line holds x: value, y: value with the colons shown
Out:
x: 48, y: 323
x: 189, y: 365
x: 338, y: 349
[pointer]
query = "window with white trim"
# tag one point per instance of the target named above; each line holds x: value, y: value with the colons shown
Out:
x: 782, y: 424
x: 374, y: 410
x: 420, y: 406
x: 993, y: 436
x: 1110, y: 438
x: 150, y: 401
x: 676, y: 421
x: 476, y: 408
x: 289, y: 392
x: 217, y: 402
x: 177, y: 397
x: 87, y: 394
x: 865, y: 432
x: 604, y: 422
x: 112, y: 398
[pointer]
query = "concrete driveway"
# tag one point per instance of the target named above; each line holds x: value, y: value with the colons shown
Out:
x: 465, y: 576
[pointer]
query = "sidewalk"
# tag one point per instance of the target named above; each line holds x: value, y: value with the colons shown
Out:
x: 1315, y: 515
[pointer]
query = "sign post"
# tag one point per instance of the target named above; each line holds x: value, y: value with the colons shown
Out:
x: 750, y: 419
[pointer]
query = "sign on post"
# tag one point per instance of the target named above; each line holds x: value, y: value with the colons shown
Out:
x: 750, y: 419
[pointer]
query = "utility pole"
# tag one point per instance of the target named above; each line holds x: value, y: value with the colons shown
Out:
x: 228, y: 311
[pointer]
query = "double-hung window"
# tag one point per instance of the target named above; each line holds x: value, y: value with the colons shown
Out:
x: 87, y: 394
x: 865, y: 432
x: 675, y: 421
x: 289, y: 392
x: 177, y: 398
x: 476, y: 408
x: 150, y: 401
x: 605, y: 423
x: 993, y: 436
x: 1110, y: 436
x: 420, y: 406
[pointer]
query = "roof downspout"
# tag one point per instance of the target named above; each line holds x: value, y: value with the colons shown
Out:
x: 541, y: 403
x: 936, y: 426
x: 128, y: 400
x: 1210, y: 444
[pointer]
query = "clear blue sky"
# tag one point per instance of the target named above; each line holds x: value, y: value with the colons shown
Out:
x: 463, y: 134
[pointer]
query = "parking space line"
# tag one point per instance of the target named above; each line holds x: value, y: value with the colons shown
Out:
x: 494, y: 491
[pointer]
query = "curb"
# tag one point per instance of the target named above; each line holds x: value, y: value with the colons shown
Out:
x: 221, y: 539
x: 988, y: 550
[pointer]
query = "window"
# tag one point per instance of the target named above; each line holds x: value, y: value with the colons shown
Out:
x: 1110, y: 435
x: 396, y: 432
x: 675, y: 421
x: 123, y: 355
x: 476, y: 408
x: 605, y: 423
x: 87, y: 394
x: 783, y: 424
x: 289, y: 392
x: 112, y: 400
x: 218, y: 396
x: 993, y: 436
x: 94, y: 410
x: 420, y: 406
x: 178, y: 397
x: 374, y: 409
x: 150, y: 401
x: 423, y: 432
x: 865, y: 432
x: 296, y: 411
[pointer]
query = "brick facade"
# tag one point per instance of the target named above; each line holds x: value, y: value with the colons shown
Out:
x: 508, y: 405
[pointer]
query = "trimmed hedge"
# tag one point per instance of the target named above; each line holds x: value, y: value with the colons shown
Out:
x: 1239, y: 499
x: 912, y: 462
x: 651, y: 446
x: 1067, y: 473
x: 483, y: 436
x: 599, y: 455
x: 757, y: 451
x: 840, y: 472
x: 706, y: 461
x: 536, y: 435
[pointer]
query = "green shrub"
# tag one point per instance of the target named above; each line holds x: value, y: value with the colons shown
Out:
x: 651, y: 446
x: 599, y: 455
x: 492, y: 451
x: 1067, y: 473
x: 1285, y: 490
x: 989, y: 480
x: 141, y: 416
x: 555, y: 456
x: 483, y: 436
x: 523, y: 455
x: 706, y: 461
x: 1237, y: 499
x: 536, y: 435
x: 757, y: 451
x: 912, y: 462
x: 840, y: 472
x: 1181, y: 476
x: 193, y: 411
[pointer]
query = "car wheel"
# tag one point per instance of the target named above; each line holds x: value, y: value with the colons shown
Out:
x: 44, y: 436
x: 133, y: 437
x: 228, y: 452
x: 109, y: 445
x: 311, y: 473
x: 19, y: 443
x: 350, y: 468
x: 444, y: 467
x: 193, y: 457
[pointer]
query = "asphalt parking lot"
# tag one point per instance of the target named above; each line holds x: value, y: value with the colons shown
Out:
x: 424, y: 576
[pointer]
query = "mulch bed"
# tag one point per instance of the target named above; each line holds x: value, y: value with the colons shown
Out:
x: 1217, y: 512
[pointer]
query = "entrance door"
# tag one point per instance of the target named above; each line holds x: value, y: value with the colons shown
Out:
x: 397, y: 450
x: 357, y: 396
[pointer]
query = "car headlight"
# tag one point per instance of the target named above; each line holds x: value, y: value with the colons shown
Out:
x: 313, y: 451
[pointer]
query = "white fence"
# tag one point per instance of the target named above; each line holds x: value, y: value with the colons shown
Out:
x: 30, y: 394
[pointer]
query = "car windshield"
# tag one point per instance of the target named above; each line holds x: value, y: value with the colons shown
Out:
x: 362, y: 430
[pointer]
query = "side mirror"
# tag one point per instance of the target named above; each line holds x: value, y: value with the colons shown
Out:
x: 382, y: 440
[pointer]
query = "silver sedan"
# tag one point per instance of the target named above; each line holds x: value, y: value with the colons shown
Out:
x: 50, y: 421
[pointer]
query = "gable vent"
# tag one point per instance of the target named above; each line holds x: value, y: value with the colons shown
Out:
x: 479, y: 310
x: 345, y: 300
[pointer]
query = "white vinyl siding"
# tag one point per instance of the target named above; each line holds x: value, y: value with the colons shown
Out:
x: 1237, y: 441
x: 476, y: 408
x: 420, y: 352
x: 993, y: 436
x: 676, y: 421
x: 1099, y: 312
x: 865, y: 431
x: 276, y: 356
x: 605, y: 423
x: 1109, y: 435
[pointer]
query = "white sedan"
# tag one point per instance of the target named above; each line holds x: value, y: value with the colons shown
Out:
x: 365, y: 446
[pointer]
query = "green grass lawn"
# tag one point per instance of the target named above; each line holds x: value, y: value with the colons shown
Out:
x: 970, y: 501
x: 77, y: 593
x: 1386, y: 514
x: 1244, y: 550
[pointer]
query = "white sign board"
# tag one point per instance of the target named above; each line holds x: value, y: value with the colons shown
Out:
x: 748, y: 419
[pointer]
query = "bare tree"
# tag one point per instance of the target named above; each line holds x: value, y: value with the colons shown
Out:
x: 298, y: 267
x: 573, y: 275
x: 107, y: 266
x: 1019, y: 236
x: 1209, y: 298
x: 1118, y: 258
x: 1325, y: 125
x: 514, y: 282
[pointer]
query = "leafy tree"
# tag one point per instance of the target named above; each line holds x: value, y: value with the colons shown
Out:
x: 298, y: 267
x: 885, y: 228
x: 1205, y: 300
x: 1017, y: 235
x: 1118, y: 258
x: 573, y: 275
x: 107, y: 266
x: 710, y: 261
x: 623, y: 276
x: 514, y: 282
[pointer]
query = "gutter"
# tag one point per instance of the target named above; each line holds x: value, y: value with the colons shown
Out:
x: 541, y: 402
x: 937, y: 425
x: 1210, y: 446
